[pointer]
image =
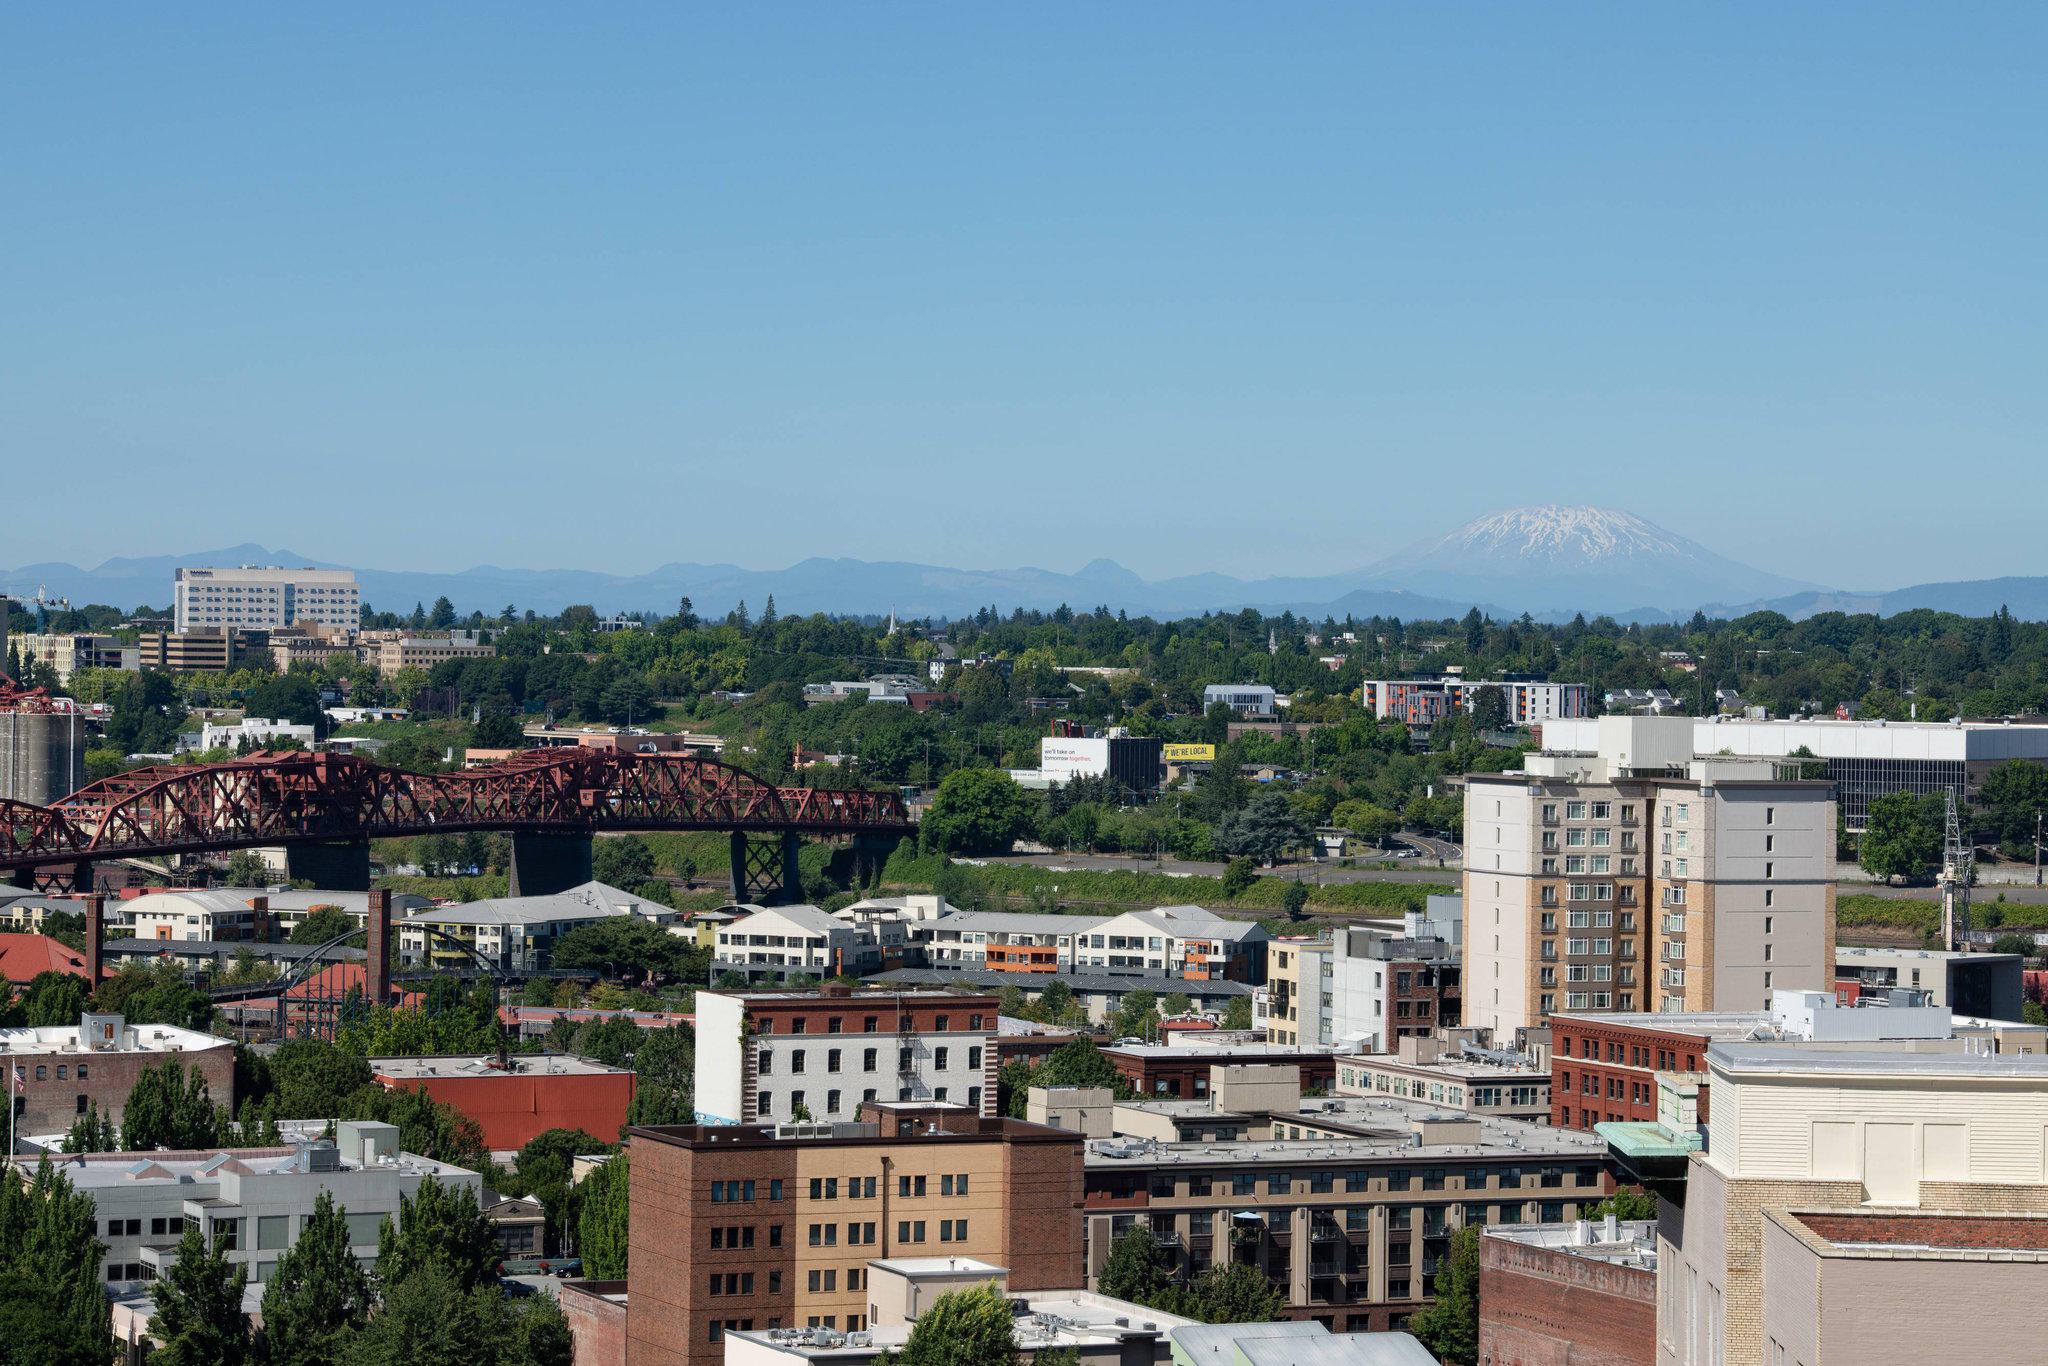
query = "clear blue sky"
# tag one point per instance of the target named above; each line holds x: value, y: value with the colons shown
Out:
x: 1241, y: 287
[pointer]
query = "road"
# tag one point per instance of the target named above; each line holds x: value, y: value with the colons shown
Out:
x: 1327, y: 874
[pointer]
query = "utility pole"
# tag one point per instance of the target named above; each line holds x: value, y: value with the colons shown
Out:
x: 2037, y: 846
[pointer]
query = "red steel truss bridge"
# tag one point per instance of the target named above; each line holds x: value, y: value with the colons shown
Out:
x: 548, y: 800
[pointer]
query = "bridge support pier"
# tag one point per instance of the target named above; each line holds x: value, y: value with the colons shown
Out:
x: 545, y: 864
x: 869, y: 854
x: 335, y: 867
x: 767, y: 871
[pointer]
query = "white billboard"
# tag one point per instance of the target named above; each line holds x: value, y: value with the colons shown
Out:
x: 1073, y: 758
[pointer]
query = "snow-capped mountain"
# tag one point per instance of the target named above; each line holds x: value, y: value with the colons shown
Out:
x: 1553, y: 558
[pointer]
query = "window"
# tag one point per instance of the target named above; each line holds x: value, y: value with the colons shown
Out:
x: 867, y: 1060
x: 939, y: 1058
x: 775, y: 1189
x: 831, y: 1060
x: 1279, y: 1183
x: 942, y: 1024
x: 796, y: 1061
x: 832, y: 1025
x: 974, y: 1058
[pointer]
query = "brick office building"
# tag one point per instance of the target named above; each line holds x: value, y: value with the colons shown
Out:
x: 762, y: 1054
x: 741, y: 1227
x: 63, y: 1070
x: 1578, y: 1294
x: 1604, y: 1067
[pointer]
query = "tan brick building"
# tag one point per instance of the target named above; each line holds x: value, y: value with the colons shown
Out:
x: 743, y: 1227
x: 1643, y: 878
x: 1801, y: 1128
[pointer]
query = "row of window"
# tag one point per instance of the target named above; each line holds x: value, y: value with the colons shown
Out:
x: 905, y: 1061
x: 1166, y: 1184
x: 869, y: 1024
x: 43, y: 1072
x: 764, y: 1101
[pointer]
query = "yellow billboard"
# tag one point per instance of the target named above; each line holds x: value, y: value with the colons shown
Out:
x: 1188, y: 754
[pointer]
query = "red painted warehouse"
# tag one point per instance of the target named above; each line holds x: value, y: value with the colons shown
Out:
x: 521, y: 1097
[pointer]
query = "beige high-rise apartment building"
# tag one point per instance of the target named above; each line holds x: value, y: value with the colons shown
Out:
x: 1640, y: 876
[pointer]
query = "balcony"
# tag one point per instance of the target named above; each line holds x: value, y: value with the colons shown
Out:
x: 1325, y: 1233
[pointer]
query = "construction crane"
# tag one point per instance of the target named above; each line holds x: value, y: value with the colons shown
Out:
x: 1958, y: 871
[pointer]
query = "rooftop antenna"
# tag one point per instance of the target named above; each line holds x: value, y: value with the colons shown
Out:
x: 1958, y: 870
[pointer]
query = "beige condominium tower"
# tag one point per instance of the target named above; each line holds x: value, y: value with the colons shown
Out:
x: 1640, y: 876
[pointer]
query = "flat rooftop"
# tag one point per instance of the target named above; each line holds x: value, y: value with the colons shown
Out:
x: 1375, y: 1130
x: 1917, y: 1235
x: 1789, y: 1059
x: 1245, y: 1052
x: 1459, y: 1067
x: 1630, y: 1243
x: 486, y: 1065
x: 1859, y: 952
x: 109, y: 1171
x: 1053, y: 1320
x: 143, y: 1038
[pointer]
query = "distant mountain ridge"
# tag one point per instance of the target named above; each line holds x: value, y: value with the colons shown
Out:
x: 1552, y: 561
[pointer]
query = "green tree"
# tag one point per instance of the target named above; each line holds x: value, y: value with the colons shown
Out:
x: 622, y: 862
x: 1450, y: 1326
x: 313, y: 1078
x: 198, y: 1316
x: 1137, y: 1016
x: 439, y: 1231
x: 1369, y: 822
x: 1238, y: 1014
x: 1238, y: 877
x: 1629, y: 1202
x: 246, y: 869
x: 321, y: 924
x: 53, y: 1310
x: 168, y: 1107
x: 968, y: 1327
x: 1057, y: 1000
x: 1176, y: 1003
x: 619, y: 945
x: 443, y: 615
x: 318, y: 1295
x: 1901, y: 837
x: 1294, y: 898
x: 429, y: 1319
x: 2021, y: 944
x: 1134, y: 1270
x: 664, y: 1068
x: 1234, y: 1292
x: 53, y: 998
x: 498, y: 730
x: 1266, y: 828
x: 92, y: 1132
x: 977, y: 811
x: 1490, y: 708
x: 601, y: 1225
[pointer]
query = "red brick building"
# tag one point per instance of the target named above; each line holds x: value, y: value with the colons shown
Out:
x: 1604, y: 1067
x: 526, y: 1096
x: 64, y: 1070
x: 1568, y: 1295
x: 732, y: 1227
x: 1156, y: 1070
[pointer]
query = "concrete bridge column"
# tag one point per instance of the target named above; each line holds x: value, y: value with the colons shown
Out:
x: 792, y: 872
x: 343, y: 866
x: 545, y: 864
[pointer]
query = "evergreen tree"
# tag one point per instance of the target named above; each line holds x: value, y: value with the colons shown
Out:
x: 92, y: 1132
x: 601, y: 1228
x: 962, y: 1328
x: 1135, y: 1271
x: 438, y: 1230
x: 52, y: 1306
x: 1450, y: 1326
x: 317, y: 1296
x: 428, y: 1320
x: 198, y: 1316
x: 168, y: 1108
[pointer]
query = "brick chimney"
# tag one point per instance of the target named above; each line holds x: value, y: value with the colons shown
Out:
x: 95, y: 925
x: 377, y: 972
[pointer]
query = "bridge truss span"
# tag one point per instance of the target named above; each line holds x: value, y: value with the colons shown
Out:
x: 294, y: 797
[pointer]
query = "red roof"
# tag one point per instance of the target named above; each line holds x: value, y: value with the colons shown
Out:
x: 22, y: 956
